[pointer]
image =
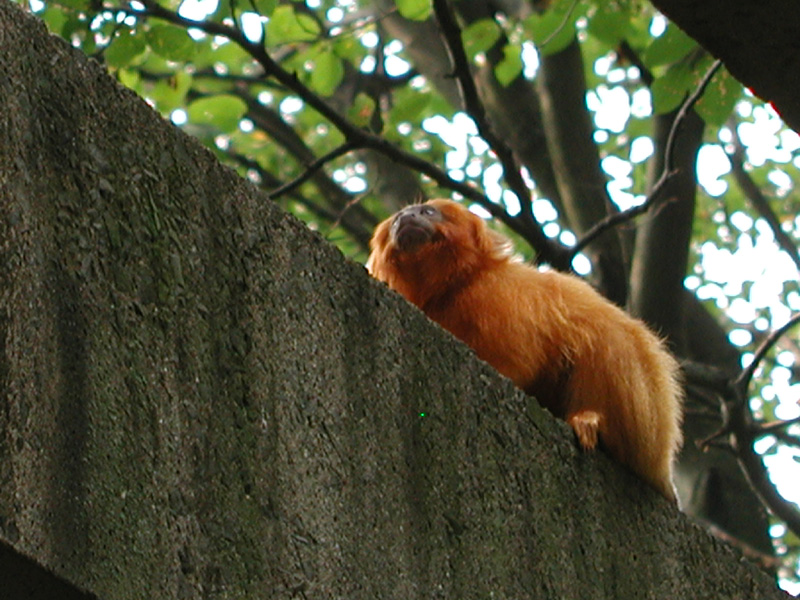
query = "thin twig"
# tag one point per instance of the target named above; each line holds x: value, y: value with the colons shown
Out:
x: 758, y: 200
x: 757, y: 474
x: 310, y: 169
x: 561, y: 25
x: 743, y: 380
x: 764, y: 560
x: 336, y: 222
x: 743, y: 434
x: 775, y: 426
x: 667, y: 173
x: 628, y: 53
x: 706, y: 376
x: 355, y: 226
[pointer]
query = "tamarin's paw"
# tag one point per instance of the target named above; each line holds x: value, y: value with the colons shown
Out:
x: 586, y: 424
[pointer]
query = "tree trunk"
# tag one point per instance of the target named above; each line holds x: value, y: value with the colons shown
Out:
x: 201, y: 398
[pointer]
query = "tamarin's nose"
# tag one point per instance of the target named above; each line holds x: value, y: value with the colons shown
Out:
x: 410, y: 211
x: 415, y: 211
x: 405, y: 216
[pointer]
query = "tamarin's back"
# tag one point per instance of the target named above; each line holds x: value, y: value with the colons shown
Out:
x: 552, y: 334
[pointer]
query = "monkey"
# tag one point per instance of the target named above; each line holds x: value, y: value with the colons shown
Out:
x: 583, y: 358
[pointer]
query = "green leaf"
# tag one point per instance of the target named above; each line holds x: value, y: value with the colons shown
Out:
x: 681, y: 79
x: 719, y: 98
x: 670, y: 89
x: 611, y: 23
x: 415, y: 10
x: 285, y: 26
x: 509, y: 68
x: 170, y: 94
x: 554, y: 30
x: 74, y: 4
x: 124, y: 49
x: 74, y: 26
x: 409, y: 107
x: 129, y: 79
x: 55, y: 19
x: 230, y: 54
x: 360, y: 111
x: 266, y: 7
x: 480, y: 36
x: 171, y: 42
x: 349, y: 48
x: 327, y: 74
x: 223, y: 111
x: 672, y: 46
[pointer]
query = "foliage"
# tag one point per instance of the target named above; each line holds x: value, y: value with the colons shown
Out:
x: 274, y: 87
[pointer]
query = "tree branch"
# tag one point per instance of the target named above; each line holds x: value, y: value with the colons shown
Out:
x: 705, y: 376
x: 743, y: 433
x: 776, y: 426
x: 355, y: 226
x: 561, y: 86
x: 745, y: 377
x: 757, y: 198
x: 311, y: 169
x: 356, y: 220
x: 550, y: 252
x: 756, y: 473
x: 628, y: 53
x: 451, y: 33
x: 666, y: 174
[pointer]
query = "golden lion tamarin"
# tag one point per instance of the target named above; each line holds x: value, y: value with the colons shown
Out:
x: 552, y: 334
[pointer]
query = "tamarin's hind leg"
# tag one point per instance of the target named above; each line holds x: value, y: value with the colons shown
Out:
x: 586, y: 424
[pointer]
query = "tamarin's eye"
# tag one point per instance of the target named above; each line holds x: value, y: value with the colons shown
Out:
x: 428, y: 210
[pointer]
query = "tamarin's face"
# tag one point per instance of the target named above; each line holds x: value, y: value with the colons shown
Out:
x: 425, y: 249
x: 429, y: 228
x: 414, y: 226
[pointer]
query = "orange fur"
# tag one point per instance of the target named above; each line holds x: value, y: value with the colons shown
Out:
x: 552, y: 334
